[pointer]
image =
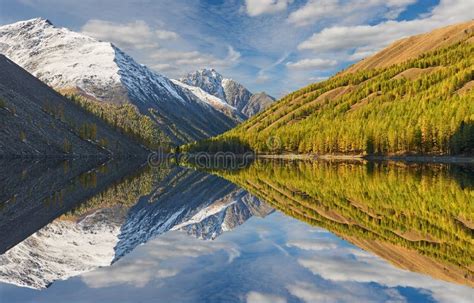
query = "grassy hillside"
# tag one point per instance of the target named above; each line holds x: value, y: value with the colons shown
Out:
x: 398, y: 212
x: 424, y: 105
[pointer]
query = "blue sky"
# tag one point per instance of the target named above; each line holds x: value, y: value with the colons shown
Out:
x: 272, y: 45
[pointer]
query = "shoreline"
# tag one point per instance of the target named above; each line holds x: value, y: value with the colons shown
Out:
x: 418, y: 159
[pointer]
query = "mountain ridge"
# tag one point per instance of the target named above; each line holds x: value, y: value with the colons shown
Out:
x: 64, y: 59
x: 413, y: 46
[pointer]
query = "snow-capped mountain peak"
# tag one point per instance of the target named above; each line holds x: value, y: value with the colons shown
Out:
x: 205, y: 96
x: 59, y: 57
x: 232, y: 92
x: 68, y: 60
x: 208, y: 80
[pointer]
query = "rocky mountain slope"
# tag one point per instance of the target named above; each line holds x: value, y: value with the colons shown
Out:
x: 71, y: 61
x: 37, y: 121
x: 232, y: 92
x: 184, y: 200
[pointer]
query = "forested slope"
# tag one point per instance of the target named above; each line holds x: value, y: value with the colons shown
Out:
x: 424, y: 105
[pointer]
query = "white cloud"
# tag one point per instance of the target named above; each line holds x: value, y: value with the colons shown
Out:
x: 170, y: 58
x: 154, y: 261
x: 233, y: 56
x: 309, y: 292
x: 130, y: 35
x: 138, y: 274
x: 309, y: 64
x: 317, y: 10
x: 259, y: 7
x: 258, y: 297
x: 313, y: 10
x: 262, y: 75
x: 356, y: 42
x: 166, y: 35
x: 320, y: 244
x: 341, y: 38
x: 348, y: 265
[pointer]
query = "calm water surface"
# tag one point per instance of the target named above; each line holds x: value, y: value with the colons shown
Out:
x: 121, y: 231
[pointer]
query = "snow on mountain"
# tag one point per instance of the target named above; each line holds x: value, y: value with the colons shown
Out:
x: 59, y: 57
x: 205, y: 217
x: 64, y: 249
x: 209, y: 99
x: 193, y: 195
x: 65, y: 59
x: 232, y: 92
x: 207, y: 79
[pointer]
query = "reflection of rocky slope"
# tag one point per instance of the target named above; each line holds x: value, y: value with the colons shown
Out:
x: 37, y: 192
x: 200, y: 204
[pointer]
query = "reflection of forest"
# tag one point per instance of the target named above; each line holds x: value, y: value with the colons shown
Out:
x: 123, y: 193
x: 418, y: 217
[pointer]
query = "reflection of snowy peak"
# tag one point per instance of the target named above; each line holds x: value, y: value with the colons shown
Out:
x: 63, y: 249
x: 72, y: 61
x: 203, y: 205
x: 200, y: 204
x: 224, y: 215
x: 228, y: 90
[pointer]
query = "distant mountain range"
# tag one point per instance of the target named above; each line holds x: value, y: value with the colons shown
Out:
x: 229, y: 90
x: 414, y: 97
x: 69, y: 61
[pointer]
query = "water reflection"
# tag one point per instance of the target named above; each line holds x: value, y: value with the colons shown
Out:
x: 121, y: 216
x: 416, y: 217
